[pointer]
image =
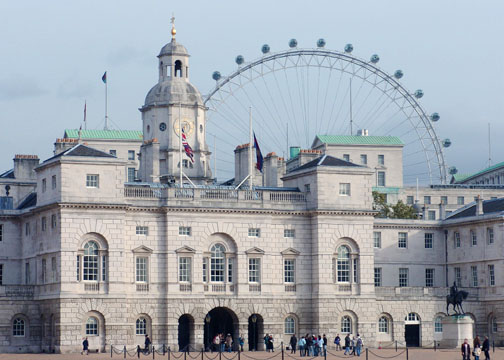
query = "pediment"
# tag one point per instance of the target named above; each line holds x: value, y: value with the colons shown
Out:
x: 185, y: 250
x: 290, y: 251
x: 254, y: 251
x: 142, y: 249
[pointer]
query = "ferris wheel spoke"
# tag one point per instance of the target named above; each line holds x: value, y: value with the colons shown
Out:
x: 333, y: 123
x: 296, y: 130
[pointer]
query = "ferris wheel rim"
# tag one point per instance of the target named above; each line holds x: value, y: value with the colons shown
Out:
x: 367, y: 65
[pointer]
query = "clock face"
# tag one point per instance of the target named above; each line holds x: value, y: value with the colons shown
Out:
x: 162, y: 126
x: 187, y: 125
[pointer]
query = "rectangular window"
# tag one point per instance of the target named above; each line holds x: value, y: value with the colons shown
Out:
x: 429, y: 277
x: 90, y: 268
x: 474, y: 238
x: 53, y: 182
x: 78, y: 267
x: 363, y: 159
x: 131, y: 154
x: 491, y: 275
x: 377, y: 239
x: 205, y: 270
x: 460, y: 200
x: 131, y: 174
x: 142, y: 230
x: 44, y: 223
x: 307, y: 188
x: 254, y: 270
x: 490, y: 236
x: 92, y: 180
x: 54, y: 270
x: 381, y: 178
x: 185, y: 269
x: 113, y: 152
x: 289, y: 233
x: 431, y: 215
x: 27, y: 230
x: 230, y: 270
x: 44, y: 185
x: 185, y: 163
x: 254, y: 232
x: 44, y: 271
x: 403, y: 277
x: 429, y: 239
x: 27, y: 274
x: 184, y: 230
x: 289, y: 270
x: 403, y: 240
x: 1, y: 274
x: 355, y: 272
x: 53, y: 221
x: 474, y: 276
x: 346, y: 157
x: 410, y: 200
x: 458, y: 276
x: 381, y: 159
x: 1, y: 232
x: 141, y: 270
x: 344, y: 189
x: 377, y: 277
x: 444, y: 200
x: 217, y: 268
x: 427, y: 200
x: 456, y: 237
x: 104, y: 268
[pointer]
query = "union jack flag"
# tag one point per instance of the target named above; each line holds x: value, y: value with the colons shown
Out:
x: 188, y: 150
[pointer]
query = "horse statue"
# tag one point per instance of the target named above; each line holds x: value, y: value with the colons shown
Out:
x: 456, y: 298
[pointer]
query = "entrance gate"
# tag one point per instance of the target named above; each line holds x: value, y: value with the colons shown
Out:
x: 412, y: 330
x: 221, y: 320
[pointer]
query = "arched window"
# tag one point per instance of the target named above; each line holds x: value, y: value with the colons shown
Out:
x: 495, y: 327
x: 92, y: 326
x: 141, y: 326
x: 438, y: 324
x: 91, y: 261
x: 18, y: 327
x: 383, y: 325
x: 178, y: 68
x: 412, y: 318
x: 346, y: 325
x: 290, y: 325
x: 343, y: 264
x: 217, y: 263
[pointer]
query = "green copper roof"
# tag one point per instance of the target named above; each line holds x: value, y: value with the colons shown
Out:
x: 104, y: 134
x: 460, y: 177
x: 359, y: 140
x: 488, y: 169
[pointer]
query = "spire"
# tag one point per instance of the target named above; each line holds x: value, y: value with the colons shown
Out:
x: 173, y: 30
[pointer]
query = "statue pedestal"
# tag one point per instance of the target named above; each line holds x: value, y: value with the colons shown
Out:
x: 455, y: 329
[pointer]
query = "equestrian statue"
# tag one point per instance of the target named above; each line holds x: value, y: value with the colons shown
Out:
x: 456, y: 298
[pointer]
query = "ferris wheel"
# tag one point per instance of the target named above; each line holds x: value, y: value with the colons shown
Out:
x: 299, y: 93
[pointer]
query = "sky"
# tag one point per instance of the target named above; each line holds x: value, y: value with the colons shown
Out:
x: 53, y: 54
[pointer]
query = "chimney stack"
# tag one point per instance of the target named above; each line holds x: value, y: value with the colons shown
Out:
x: 479, y: 206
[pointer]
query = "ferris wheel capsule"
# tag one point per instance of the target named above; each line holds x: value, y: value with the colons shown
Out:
x: 265, y: 49
x: 374, y: 58
x: 216, y: 75
x: 321, y: 43
x: 435, y: 117
x: 419, y: 93
x: 348, y: 48
x: 446, y: 143
x: 240, y: 59
x: 398, y: 74
x: 452, y: 170
x: 293, y: 43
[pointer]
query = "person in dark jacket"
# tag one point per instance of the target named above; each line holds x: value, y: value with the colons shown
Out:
x: 293, y: 343
x: 466, y: 350
x: 147, y: 344
x: 486, y: 348
x: 85, y: 347
x: 347, y: 345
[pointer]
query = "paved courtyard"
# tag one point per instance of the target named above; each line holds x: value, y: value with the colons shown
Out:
x: 413, y: 354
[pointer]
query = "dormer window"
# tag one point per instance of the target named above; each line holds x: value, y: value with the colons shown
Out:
x: 178, y: 68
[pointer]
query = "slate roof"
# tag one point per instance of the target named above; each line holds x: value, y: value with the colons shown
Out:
x: 29, y: 201
x: 9, y: 174
x: 359, y: 140
x: 489, y: 206
x: 82, y: 150
x: 326, y: 160
x: 104, y: 134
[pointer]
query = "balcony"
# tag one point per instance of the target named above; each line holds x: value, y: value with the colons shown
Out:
x: 142, y: 287
x: 17, y: 291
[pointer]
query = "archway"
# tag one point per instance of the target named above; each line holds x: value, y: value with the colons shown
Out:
x: 412, y: 330
x: 255, y: 332
x: 185, y: 332
x: 221, y: 320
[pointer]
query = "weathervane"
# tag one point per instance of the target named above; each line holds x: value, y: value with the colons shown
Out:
x: 173, y: 31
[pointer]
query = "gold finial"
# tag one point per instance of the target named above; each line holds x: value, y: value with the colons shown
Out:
x: 173, y: 31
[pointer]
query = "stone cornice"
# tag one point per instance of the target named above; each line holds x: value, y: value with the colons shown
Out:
x: 407, y: 226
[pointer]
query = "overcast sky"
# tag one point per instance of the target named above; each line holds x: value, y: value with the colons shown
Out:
x: 53, y: 54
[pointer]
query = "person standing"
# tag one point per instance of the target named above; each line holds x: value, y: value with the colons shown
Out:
x: 85, y: 347
x: 347, y: 345
x: 352, y: 345
x: 477, y: 352
x: 324, y: 340
x: 270, y: 343
x: 476, y: 342
x: 266, y: 337
x: 466, y: 350
x: 358, y: 345
x: 302, y: 344
x: 486, y: 348
x: 229, y: 343
x: 293, y: 343
x: 241, y: 341
x: 337, y: 341
x: 147, y: 344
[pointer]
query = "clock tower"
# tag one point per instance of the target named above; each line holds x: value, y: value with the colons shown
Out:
x: 173, y: 103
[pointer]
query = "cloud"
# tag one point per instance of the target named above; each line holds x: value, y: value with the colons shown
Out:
x: 72, y: 88
x: 125, y: 55
x: 19, y: 87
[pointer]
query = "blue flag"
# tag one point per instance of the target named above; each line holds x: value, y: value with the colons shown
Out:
x: 259, y: 157
x: 104, y: 78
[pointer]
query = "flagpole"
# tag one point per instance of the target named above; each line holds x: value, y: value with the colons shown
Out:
x: 106, y: 109
x: 251, y: 167
x: 351, y: 115
x: 180, y: 141
x: 85, y: 122
x: 215, y: 158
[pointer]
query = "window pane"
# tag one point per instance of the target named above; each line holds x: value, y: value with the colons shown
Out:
x: 403, y: 277
x: 185, y: 269
x: 377, y: 277
x: 289, y: 270
x: 92, y: 326
x: 343, y: 264
x: 254, y: 270
x: 141, y: 269
x: 290, y: 325
x: 90, y: 262
x: 403, y: 240
x: 377, y: 239
x: 428, y: 240
x: 141, y: 326
x: 217, y: 263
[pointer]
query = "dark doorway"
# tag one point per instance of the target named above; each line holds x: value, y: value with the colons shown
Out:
x: 412, y: 335
x: 220, y: 321
x: 185, y: 332
x: 255, y: 332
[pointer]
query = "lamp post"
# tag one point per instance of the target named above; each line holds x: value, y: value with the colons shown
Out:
x: 208, y: 318
x: 254, y: 320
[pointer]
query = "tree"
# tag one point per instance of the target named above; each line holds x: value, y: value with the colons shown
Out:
x: 397, y: 211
